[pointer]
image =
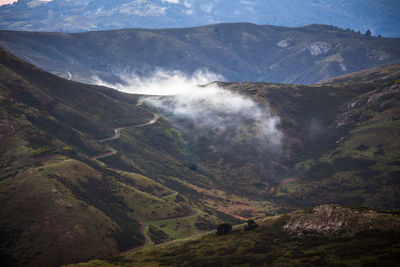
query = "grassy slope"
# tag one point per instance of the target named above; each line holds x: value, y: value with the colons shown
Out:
x: 36, y: 135
x: 325, y: 235
x: 363, y: 167
x: 341, y: 141
x: 238, y: 51
x: 54, y: 200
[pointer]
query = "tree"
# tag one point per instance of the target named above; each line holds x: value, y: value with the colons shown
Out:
x: 251, y: 224
x: 368, y: 33
x: 224, y: 228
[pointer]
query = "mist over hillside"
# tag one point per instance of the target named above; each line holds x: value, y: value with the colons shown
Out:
x: 155, y: 145
x: 88, y: 171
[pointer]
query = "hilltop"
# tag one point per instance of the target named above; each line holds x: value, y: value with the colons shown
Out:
x: 237, y: 51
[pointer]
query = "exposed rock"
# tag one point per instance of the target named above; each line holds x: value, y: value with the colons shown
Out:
x: 343, y: 119
x: 319, y: 48
x: 283, y: 43
x: 332, y: 220
x: 378, y: 55
x: 393, y: 90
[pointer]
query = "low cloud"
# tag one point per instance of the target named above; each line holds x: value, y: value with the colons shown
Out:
x: 197, y: 102
x: 171, y: 1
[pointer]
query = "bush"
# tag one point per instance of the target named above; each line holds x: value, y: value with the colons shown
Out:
x: 251, y: 224
x: 224, y: 228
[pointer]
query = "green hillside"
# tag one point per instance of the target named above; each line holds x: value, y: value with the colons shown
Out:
x: 238, y: 51
x: 328, y: 235
x: 58, y: 205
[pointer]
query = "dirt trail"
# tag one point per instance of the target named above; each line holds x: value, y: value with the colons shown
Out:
x: 147, y: 238
x: 117, y: 135
x: 113, y: 152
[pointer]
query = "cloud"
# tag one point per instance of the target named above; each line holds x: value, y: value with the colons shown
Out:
x: 171, y: 1
x: 185, y: 101
x: 36, y: 3
x: 142, y: 8
x: 207, y: 7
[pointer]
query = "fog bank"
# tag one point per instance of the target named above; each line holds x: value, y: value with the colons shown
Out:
x: 203, y: 103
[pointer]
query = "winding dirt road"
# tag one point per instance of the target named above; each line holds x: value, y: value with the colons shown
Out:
x: 111, y: 152
x: 144, y: 228
x: 116, y: 136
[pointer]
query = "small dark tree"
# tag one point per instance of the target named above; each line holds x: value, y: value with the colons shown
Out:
x: 224, y: 228
x: 368, y: 33
x: 251, y: 224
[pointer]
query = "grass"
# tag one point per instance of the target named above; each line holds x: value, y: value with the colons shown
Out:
x: 270, y: 243
x: 49, y: 133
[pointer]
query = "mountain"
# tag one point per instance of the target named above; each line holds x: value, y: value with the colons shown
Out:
x: 75, y: 16
x: 329, y: 235
x: 75, y: 186
x: 239, y: 52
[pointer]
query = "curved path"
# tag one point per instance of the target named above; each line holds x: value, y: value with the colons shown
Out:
x: 116, y: 136
x: 144, y: 227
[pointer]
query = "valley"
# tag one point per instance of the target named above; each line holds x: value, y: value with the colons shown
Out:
x: 89, y: 172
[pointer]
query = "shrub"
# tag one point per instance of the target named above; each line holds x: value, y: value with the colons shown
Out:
x: 251, y: 224
x: 224, y: 228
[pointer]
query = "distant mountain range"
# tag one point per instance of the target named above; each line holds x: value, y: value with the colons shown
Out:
x: 382, y: 17
x: 238, y: 51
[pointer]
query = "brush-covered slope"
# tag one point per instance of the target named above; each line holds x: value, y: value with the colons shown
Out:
x: 341, y: 142
x: 339, y: 145
x: 328, y: 235
x: 371, y: 75
x: 362, y: 168
x: 239, y: 52
x: 57, y: 204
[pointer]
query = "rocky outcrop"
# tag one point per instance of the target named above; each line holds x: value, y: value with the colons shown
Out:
x: 332, y: 220
x: 319, y: 48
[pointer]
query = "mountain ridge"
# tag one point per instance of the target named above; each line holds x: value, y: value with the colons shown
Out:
x: 238, y: 51
x: 60, y: 15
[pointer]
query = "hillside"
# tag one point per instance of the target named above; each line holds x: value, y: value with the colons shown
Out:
x: 58, y: 205
x: 341, y: 141
x: 67, y: 181
x: 371, y: 75
x: 238, y: 51
x: 328, y: 235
